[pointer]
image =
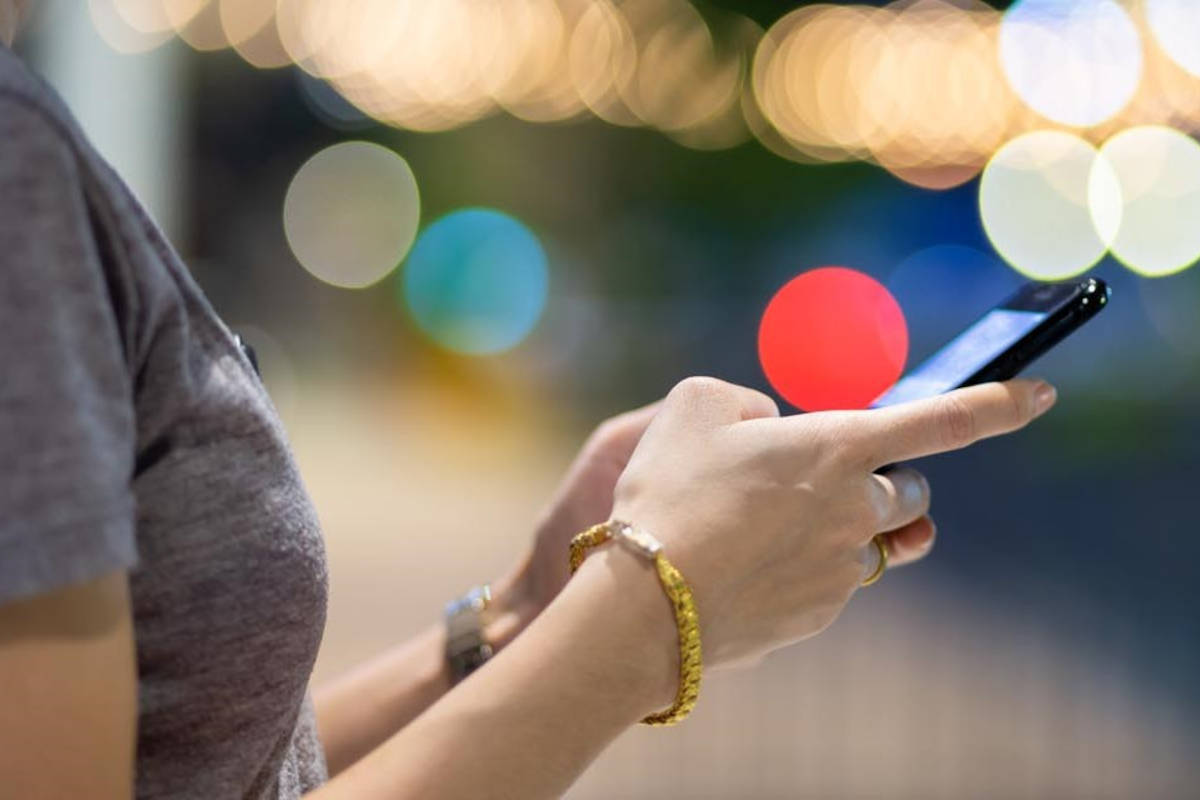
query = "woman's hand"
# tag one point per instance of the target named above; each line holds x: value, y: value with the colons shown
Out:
x: 584, y: 498
x: 770, y: 519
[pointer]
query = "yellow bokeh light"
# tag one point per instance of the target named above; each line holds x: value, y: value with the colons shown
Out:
x: 927, y: 89
x: 1157, y: 171
x: 180, y: 13
x: 727, y: 126
x: 681, y: 83
x: 249, y: 27
x: 431, y: 81
x: 202, y: 30
x: 1036, y: 198
x: 528, y: 71
x: 601, y: 57
x: 130, y: 26
x: 937, y: 105
x: 301, y: 36
x: 841, y: 77
x: 787, y: 75
x: 764, y: 105
x: 153, y: 16
x: 351, y: 213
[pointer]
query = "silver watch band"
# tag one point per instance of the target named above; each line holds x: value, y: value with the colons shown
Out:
x: 466, y: 648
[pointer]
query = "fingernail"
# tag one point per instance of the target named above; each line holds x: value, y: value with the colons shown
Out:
x: 1043, y: 397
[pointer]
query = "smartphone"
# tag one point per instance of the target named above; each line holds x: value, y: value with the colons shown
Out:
x: 1005, y: 340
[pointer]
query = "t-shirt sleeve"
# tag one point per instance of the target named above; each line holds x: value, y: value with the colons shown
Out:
x: 67, y: 437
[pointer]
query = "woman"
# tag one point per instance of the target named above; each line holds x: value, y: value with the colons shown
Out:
x: 162, y: 578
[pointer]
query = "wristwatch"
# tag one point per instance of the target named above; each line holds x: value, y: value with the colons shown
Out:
x: 466, y: 648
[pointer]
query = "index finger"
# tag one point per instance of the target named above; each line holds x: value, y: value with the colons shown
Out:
x: 951, y: 421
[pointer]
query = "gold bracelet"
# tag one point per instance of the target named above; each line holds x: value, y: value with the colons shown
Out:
x: 680, y: 594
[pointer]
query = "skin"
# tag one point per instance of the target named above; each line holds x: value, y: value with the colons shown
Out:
x: 769, y: 519
x: 12, y: 14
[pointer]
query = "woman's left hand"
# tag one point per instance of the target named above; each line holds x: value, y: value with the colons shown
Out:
x: 583, y: 498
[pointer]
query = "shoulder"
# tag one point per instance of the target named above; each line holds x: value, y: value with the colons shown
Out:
x: 38, y: 134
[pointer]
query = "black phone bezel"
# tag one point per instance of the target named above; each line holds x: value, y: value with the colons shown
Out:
x: 1067, y: 306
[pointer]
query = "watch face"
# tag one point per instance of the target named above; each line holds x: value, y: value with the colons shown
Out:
x: 476, y: 600
x: 466, y: 648
x: 464, y: 663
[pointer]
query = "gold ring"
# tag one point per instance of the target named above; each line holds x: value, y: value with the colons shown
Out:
x: 883, y: 559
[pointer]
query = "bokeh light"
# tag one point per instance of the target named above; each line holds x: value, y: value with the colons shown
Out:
x: 351, y: 213
x: 1176, y: 26
x: 1077, y: 63
x: 249, y: 26
x: 476, y: 281
x: 1037, y: 198
x: 937, y: 104
x: 602, y: 57
x: 926, y: 89
x: 329, y: 106
x: 1172, y: 305
x: 946, y: 287
x: 1157, y: 171
x: 832, y: 338
x: 130, y: 26
x: 199, y: 24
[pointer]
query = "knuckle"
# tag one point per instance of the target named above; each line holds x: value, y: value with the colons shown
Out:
x: 629, y: 487
x: 925, y: 489
x: 912, y: 490
x: 824, y: 618
x: 698, y: 387
x: 956, y: 420
x: 849, y: 577
x: 881, y: 499
x: 607, y: 430
x: 1021, y: 407
x: 830, y: 439
x: 770, y: 407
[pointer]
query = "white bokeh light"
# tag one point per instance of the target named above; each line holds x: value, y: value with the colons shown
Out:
x: 1176, y: 26
x: 351, y: 213
x: 1036, y: 198
x: 1077, y: 63
x: 1156, y: 174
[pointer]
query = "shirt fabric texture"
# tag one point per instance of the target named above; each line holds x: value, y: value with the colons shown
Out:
x: 135, y: 435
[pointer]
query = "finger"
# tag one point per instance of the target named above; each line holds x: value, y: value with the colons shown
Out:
x: 904, y: 546
x: 950, y: 421
x: 911, y: 542
x: 898, y: 497
x: 715, y: 402
x: 619, y: 435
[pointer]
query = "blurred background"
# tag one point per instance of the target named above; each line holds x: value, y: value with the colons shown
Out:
x: 461, y: 233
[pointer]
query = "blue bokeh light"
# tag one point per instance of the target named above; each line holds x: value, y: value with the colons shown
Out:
x: 945, y: 288
x: 476, y: 281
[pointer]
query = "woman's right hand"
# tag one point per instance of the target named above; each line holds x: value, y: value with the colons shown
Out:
x: 770, y: 519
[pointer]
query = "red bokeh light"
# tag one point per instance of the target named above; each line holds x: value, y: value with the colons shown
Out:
x: 832, y: 338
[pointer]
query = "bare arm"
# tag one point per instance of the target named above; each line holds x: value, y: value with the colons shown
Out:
x: 68, y: 721
x: 729, y: 487
x: 363, y: 708
x: 525, y: 726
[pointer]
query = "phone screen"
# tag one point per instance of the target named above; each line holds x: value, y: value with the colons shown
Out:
x: 965, y: 355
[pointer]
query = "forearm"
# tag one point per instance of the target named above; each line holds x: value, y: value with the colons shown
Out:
x: 598, y: 659
x: 360, y: 710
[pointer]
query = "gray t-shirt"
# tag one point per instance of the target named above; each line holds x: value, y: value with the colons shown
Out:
x: 135, y: 435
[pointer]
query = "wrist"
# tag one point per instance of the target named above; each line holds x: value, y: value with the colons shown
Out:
x: 640, y: 637
x: 514, y: 605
